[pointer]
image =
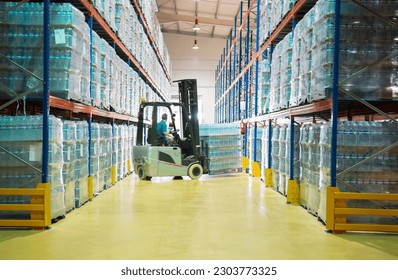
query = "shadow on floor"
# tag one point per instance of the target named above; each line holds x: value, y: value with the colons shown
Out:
x: 378, y: 241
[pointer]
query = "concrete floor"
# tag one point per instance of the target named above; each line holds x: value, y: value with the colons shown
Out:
x: 215, y: 218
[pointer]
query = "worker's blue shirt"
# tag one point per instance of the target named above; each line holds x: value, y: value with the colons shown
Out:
x: 161, y: 128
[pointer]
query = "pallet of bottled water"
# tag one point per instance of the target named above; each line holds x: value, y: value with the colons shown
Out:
x: 21, y: 164
x: 105, y: 154
x: 364, y: 39
x: 22, y: 42
x: 68, y: 169
x: 280, y: 154
x: 357, y: 141
x: 221, y: 144
x: 309, y: 166
x: 81, y: 166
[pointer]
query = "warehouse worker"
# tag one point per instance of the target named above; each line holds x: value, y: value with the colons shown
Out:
x: 161, y: 129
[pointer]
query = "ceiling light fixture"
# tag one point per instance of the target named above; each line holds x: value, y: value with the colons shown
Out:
x: 196, y: 27
x: 195, y: 45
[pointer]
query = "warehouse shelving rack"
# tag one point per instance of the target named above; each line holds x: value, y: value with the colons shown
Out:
x: 40, y: 198
x: 331, y: 109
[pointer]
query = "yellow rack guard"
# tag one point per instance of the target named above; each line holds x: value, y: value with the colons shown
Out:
x: 39, y: 207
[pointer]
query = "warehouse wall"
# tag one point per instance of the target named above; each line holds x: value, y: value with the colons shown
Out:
x: 196, y: 64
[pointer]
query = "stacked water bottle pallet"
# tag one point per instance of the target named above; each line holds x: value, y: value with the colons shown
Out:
x: 21, y: 164
x: 265, y: 153
x: 123, y: 19
x: 105, y: 168
x: 309, y: 166
x: 365, y: 39
x: 281, y: 73
x: 357, y: 142
x: 114, y: 84
x: 21, y: 153
x: 264, y: 87
x: 275, y: 155
x: 311, y: 55
x: 21, y: 40
x: 255, y: 152
x: 281, y: 156
x: 68, y: 170
x: 222, y: 147
x: 271, y: 14
x: 81, y: 167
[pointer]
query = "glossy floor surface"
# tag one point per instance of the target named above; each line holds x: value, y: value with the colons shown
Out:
x: 233, y: 217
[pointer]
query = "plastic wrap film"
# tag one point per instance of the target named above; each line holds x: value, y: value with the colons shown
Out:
x: 264, y: 144
x: 259, y: 142
x: 265, y: 20
x: 275, y: 156
x: 112, y: 80
x: 68, y: 169
x: 118, y: 83
x: 265, y: 77
x: 357, y: 141
x: 309, y: 166
x: 275, y: 83
x: 122, y: 18
x: 281, y: 73
x: 21, y: 40
x: 105, y: 156
x: 221, y: 143
x: 305, y: 171
x: 22, y: 137
x: 95, y: 157
x: 121, y: 159
x: 115, y: 149
x: 271, y: 14
x: 96, y: 70
x: 130, y: 144
x: 81, y: 166
x: 120, y: 154
x: 302, y: 60
x: 254, y: 152
x: 104, y: 74
x: 264, y: 151
x: 364, y: 39
x: 296, y: 152
x: 283, y: 170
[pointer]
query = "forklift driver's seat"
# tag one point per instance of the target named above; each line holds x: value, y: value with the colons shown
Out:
x: 158, y: 142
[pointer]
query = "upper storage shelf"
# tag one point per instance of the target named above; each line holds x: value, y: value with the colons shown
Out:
x: 109, y: 33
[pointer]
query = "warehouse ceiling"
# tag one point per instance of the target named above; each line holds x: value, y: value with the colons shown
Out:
x: 215, y: 17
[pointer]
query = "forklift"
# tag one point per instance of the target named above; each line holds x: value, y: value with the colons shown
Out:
x: 179, y: 157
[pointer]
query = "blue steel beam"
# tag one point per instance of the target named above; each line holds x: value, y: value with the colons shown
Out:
x: 269, y: 143
x: 271, y: 50
x: 230, y: 106
x: 90, y: 25
x: 291, y: 171
x: 234, y: 118
x: 46, y: 89
x: 247, y: 79
x: 335, y: 96
x: 225, y: 117
x: 90, y: 137
x: 258, y: 21
x: 240, y: 61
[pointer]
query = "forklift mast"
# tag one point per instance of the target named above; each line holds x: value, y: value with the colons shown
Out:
x: 188, y: 94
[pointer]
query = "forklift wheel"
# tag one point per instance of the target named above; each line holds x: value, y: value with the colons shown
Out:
x: 195, y: 171
x: 141, y: 173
